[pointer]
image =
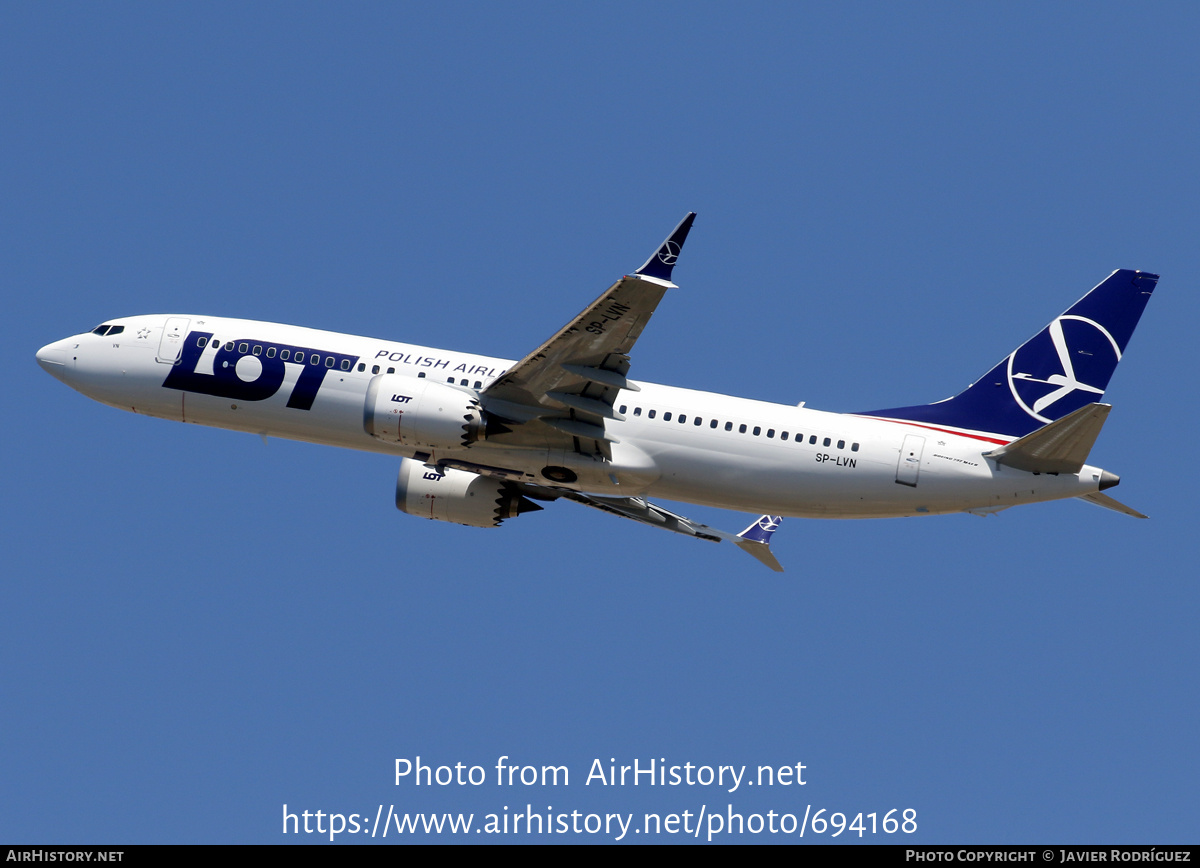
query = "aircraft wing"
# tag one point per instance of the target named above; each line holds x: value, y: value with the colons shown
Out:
x: 754, y: 540
x: 560, y: 394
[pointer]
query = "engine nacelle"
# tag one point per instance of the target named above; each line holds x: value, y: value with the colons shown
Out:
x: 453, y: 495
x: 420, y: 413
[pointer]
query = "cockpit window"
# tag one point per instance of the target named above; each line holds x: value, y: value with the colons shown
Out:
x: 115, y: 330
x: 100, y: 330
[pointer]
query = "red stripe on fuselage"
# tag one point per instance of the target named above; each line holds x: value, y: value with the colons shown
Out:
x: 943, y: 430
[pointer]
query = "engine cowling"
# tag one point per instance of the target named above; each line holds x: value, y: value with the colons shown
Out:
x: 420, y: 413
x: 453, y: 495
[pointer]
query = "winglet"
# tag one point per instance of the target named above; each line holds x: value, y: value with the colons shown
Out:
x: 662, y: 261
x: 756, y: 540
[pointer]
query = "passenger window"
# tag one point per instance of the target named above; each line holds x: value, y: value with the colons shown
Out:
x: 229, y: 347
x: 257, y: 350
x: 271, y: 352
x: 771, y: 433
x: 283, y: 354
x: 853, y: 447
x: 329, y: 360
x: 697, y: 421
x: 345, y: 364
x: 243, y: 347
x: 741, y: 429
x: 391, y: 370
x: 728, y: 426
x: 651, y: 413
x: 812, y: 441
x: 299, y: 356
x: 712, y: 424
x: 420, y: 376
x: 841, y: 444
x: 201, y: 342
x: 478, y: 384
x: 682, y: 418
x: 757, y: 430
x: 667, y: 416
x: 314, y: 359
x: 362, y: 366
x: 450, y: 380
x: 827, y: 441
x: 623, y: 409
x: 783, y: 436
x: 637, y: 411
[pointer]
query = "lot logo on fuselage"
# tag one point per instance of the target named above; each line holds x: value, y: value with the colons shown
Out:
x: 251, y: 370
x: 1063, y: 368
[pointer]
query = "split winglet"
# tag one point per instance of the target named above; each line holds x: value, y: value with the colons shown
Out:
x: 756, y: 540
x: 662, y: 262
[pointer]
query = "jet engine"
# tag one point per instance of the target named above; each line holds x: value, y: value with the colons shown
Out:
x: 453, y: 495
x: 420, y: 413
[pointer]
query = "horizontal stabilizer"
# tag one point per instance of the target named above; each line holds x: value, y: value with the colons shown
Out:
x: 1111, y: 503
x: 1059, y: 447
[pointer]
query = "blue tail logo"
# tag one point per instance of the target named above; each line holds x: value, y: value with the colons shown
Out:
x: 1083, y: 351
x: 1063, y: 367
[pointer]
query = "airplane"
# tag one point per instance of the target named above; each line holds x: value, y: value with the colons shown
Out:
x: 481, y: 440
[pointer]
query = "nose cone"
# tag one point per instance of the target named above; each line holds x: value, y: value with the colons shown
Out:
x: 55, y: 359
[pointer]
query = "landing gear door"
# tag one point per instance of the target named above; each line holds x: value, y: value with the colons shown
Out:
x: 909, y: 466
x: 172, y: 339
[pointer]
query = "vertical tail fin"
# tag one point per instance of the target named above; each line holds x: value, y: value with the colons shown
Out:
x: 1065, y: 366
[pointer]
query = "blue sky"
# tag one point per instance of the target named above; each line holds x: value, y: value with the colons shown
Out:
x: 200, y: 628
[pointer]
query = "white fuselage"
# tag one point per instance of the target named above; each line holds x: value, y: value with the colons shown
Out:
x: 679, y: 444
